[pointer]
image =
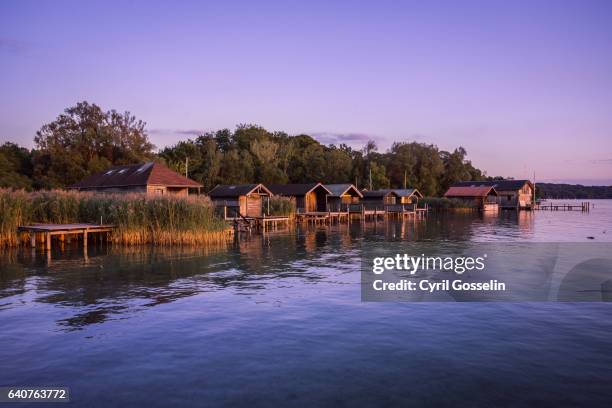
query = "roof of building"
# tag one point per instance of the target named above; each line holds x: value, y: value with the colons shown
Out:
x: 295, y: 189
x: 470, y: 191
x: 405, y: 192
x: 500, y: 185
x: 378, y: 193
x: 130, y: 175
x: 237, y: 190
x: 338, y: 190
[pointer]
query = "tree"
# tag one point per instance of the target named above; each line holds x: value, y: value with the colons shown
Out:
x: 15, y: 166
x: 85, y: 139
x: 338, y: 166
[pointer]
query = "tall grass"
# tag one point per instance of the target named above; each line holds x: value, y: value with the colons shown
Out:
x: 441, y: 204
x: 139, y: 219
x: 282, y: 206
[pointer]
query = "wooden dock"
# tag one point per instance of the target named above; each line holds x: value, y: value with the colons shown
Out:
x: 270, y: 222
x: 263, y: 223
x: 46, y: 232
x: 584, y: 207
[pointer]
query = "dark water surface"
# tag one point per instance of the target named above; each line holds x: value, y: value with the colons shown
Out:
x: 277, y: 321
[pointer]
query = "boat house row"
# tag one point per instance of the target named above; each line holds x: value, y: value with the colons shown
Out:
x: 252, y: 200
x: 507, y: 194
x: 249, y: 199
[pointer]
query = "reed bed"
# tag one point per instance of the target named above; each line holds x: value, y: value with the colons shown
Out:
x: 442, y: 204
x: 139, y: 219
x: 282, y: 206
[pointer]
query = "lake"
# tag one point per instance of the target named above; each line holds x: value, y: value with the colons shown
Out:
x: 277, y: 320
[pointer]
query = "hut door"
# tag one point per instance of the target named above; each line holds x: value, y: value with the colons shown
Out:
x: 243, y: 205
x: 254, y: 205
x: 311, y: 202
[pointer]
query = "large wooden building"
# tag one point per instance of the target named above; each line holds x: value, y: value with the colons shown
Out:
x: 512, y: 194
x: 310, y: 197
x: 151, y: 178
x: 342, y: 195
x: 483, y: 198
x: 246, y: 200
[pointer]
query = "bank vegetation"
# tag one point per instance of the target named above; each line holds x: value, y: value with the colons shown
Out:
x: 138, y: 219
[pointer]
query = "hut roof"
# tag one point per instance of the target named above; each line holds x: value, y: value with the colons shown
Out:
x: 295, y: 189
x: 378, y: 193
x: 237, y: 190
x: 500, y: 185
x: 142, y: 174
x: 470, y: 191
x: 338, y: 190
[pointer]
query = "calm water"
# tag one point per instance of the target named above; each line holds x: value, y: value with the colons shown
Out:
x: 277, y: 321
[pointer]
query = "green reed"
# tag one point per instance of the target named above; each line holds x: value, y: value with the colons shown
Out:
x: 282, y: 206
x: 139, y: 219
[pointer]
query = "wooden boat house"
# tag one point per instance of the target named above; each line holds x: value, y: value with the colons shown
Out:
x: 512, y: 194
x: 342, y: 196
x: 408, y: 195
x: 310, y: 197
x: 248, y: 200
x: 379, y: 198
x: 151, y: 178
x: 482, y: 197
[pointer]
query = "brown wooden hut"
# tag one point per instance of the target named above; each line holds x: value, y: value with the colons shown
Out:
x: 512, y: 194
x: 311, y: 197
x: 408, y: 195
x: 342, y: 195
x: 151, y: 178
x: 377, y: 199
x: 482, y: 197
x: 240, y: 199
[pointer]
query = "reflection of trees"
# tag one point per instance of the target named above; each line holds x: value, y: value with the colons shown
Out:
x: 114, y: 282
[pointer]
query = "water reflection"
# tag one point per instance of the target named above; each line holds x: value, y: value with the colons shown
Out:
x: 116, y: 282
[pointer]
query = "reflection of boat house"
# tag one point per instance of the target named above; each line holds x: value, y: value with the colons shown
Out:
x: 311, y: 197
x: 151, y: 178
x: 240, y: 199
x: 342, y: 195
x: 513, y: 194
x: 482, y: 197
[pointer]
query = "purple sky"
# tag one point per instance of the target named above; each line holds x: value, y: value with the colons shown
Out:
x: 523, y: 86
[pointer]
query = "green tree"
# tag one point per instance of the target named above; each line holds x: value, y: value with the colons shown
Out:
x: 15, y: 166
x: 85, y: 139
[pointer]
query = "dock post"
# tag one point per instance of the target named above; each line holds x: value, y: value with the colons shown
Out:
x: 33, y: 239
x: 48, y: 241
x: 85, y: 240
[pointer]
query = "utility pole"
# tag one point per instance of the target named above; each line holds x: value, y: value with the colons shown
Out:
x: 534, y: 190
x: 405, y: 176
x: 370, y: 178
x: 187, y: 167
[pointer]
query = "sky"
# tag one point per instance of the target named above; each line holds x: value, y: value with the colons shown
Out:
x: 524, y: 86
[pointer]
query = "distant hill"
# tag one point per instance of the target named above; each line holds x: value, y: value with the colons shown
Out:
x: 550, y: 190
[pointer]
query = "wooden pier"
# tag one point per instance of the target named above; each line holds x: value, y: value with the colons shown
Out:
x: 584, y: 207
x: 264, y: 223
x: 46, y: 232
x: 270, y: 222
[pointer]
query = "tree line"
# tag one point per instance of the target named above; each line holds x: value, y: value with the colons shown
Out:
x: 85, y: 139
x: 550, y: 190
